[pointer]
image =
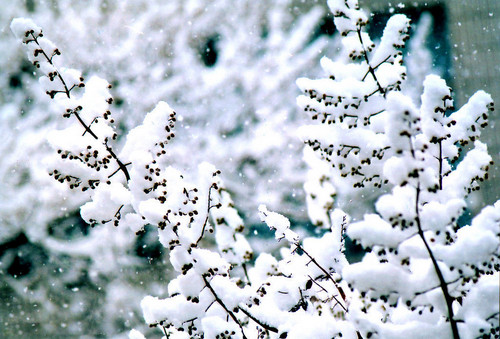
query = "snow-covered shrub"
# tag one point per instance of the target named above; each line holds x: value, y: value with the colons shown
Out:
x: 424, y: 275
x: 424, y: 272
x: 216, y: 297
x: 100, y: 257
x: 137, y: 187
x: 228, y: 103
x: 201, y: 56
x: 214, y: 293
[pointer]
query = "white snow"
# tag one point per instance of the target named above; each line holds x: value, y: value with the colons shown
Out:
x: 19, y: 26
x: 278, y: 223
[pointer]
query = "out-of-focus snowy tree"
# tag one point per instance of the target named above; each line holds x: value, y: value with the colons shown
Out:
x: 419, y: 59
x: 228, y: 67
x: 371, y: 136
x: 425, y: 275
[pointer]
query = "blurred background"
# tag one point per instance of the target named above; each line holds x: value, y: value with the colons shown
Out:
x: 228, y: 68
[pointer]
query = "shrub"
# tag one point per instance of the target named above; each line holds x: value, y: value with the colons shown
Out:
x: 425, y: 273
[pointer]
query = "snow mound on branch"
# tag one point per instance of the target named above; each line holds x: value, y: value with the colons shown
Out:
x: 279, y: 223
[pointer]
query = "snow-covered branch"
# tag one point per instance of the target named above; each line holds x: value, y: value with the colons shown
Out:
x: 415, y: 159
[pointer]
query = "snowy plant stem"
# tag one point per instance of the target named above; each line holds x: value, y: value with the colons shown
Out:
x: 85, y: 126
x: 370, y: 68
x: 221, y: 303
x: 260, y: 323
x: 440, y: 164
x: 209, y: 206
x: 245, y: 271
x: 122, y: 167
x: 328, y: 275
x: 49, y: 60
x: 436, y: 287
x: 442, y: 282
x: 374, y: 68
x: 165, y: 331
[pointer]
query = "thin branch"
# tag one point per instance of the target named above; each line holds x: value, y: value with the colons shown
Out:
x: 208, y: 214
x: 121, y: 166
x: 85, y: 126
x: 375, y: 114
x: 165, y: 331
x: 260, y: 323
x: 438, y: 286
x: 210, y: 305
x: 374, y: 68
x: 221, y: 303
x: 67, y: 91
x: 49, y: 60
x: 370, y: 68
x: 119, y: 169
x: 314, y: 281
x: 493, y: 316
x: 442, y: 282
x: 245, y: 271
x: 440, y: 164
x: 327, y: 274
